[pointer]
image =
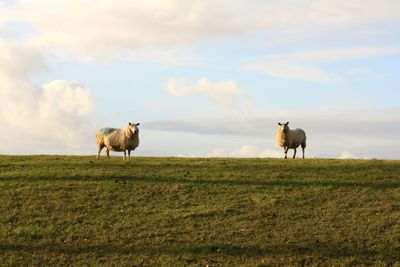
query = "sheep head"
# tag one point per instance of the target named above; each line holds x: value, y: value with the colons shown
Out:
x: 283, y: 127
x: 133, y: 127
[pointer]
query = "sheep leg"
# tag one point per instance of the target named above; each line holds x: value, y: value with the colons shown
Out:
x: 124, y: 155
x: 108, y: 153
x: 129, y: 154
x: 286, y: 150
x: 303, y: 151
x: 98, y: 151
x: 294, y: 154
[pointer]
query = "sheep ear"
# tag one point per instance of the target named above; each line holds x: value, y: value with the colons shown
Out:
x: 286, y: 123
x: 280, y: 124
x: 137, y: 124
x: 130, y: 123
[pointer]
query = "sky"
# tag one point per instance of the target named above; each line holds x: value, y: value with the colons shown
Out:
x: 209, y: 78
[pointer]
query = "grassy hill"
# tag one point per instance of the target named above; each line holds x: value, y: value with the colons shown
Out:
x: 64, y: 210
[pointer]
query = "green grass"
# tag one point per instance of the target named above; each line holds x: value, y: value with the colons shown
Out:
x: 77, y: 211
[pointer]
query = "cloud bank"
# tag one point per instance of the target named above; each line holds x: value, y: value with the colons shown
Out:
x: 106, y: 27
x: 52, y: 117
x: 309, y: 66
x: 246, y: 151
x: 329, y: 134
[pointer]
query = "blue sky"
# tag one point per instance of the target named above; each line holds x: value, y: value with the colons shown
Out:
x: 204, y: 78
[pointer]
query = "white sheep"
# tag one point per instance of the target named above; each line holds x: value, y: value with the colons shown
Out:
x: 118, y: 139
x: 291, y: 138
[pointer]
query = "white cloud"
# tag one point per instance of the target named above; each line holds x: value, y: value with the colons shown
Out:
x: 57, y: 112
x: 167, y: 57
x: 40, y: 119
x: 348, y: 155
x: 109, y: 27
x: 65, y: 97
x: 104, y: 27
x: 218, y: 153
x: 226, y: 95
x: 19, y: 61
x: 309, y: 66
x: 333, y: 55
x: 246, y: 151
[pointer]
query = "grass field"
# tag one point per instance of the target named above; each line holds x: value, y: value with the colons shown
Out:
x: 77, y: 211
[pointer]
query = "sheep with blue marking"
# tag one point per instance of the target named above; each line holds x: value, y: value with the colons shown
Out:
x: 118, y: 139
x: 290, y: 139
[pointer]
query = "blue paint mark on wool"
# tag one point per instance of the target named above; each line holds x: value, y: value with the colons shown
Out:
x: 107, y: 131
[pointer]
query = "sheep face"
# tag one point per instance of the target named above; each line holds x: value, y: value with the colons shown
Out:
x: 134, y: 127
x: 283, y: 127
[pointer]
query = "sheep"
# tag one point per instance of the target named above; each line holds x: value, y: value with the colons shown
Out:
x: 118, y: 139
x: 290, y: 138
